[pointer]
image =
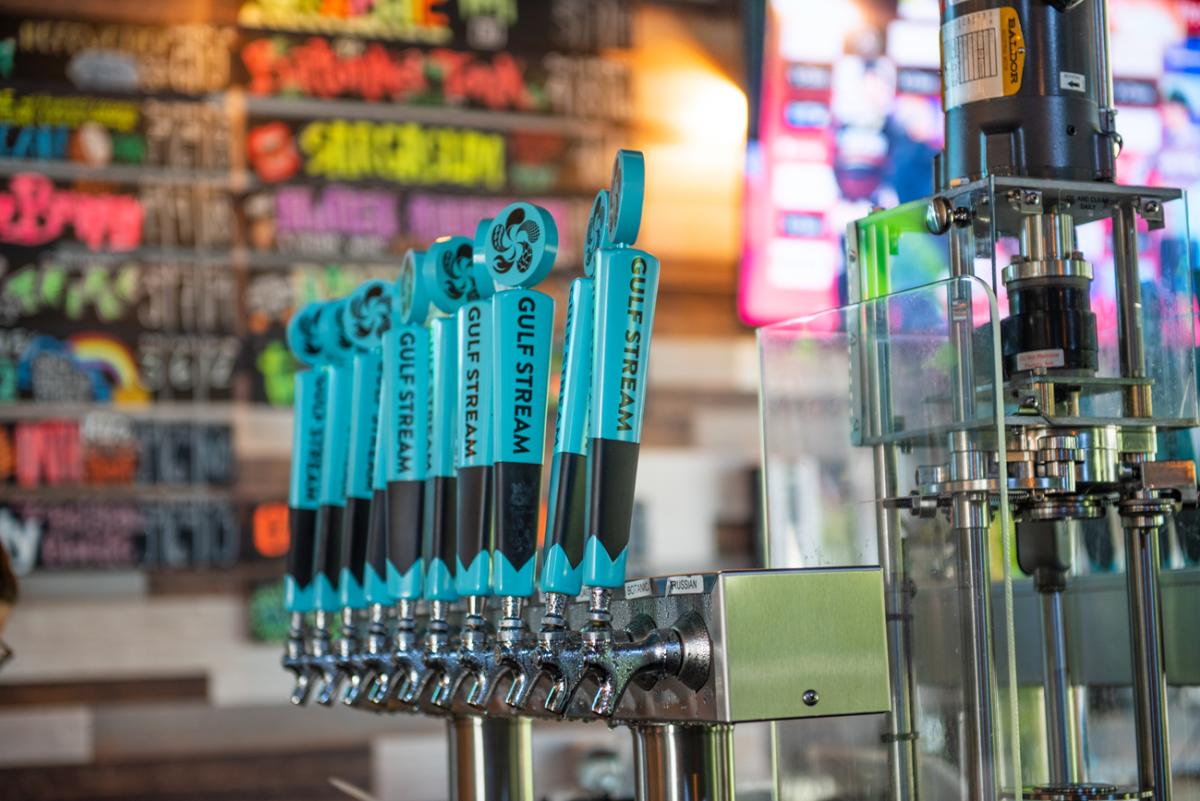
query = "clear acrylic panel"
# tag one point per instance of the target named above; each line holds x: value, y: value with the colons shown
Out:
x: 862, y: 407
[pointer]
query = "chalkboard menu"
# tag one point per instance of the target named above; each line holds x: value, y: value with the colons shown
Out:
x: 170, y: 195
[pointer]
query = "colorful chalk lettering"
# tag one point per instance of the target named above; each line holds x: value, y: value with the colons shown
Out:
x: 67, y: 111
x: 424, y: 21
x: 197, y: 217
x: 159, y: 297
x: 48, y: 453
x: 188, y: 59
x: 35, y: 212
x: 187, y: 366
x: 338, y: 219
x: 406, y: 153
x: 71, y: 535
x: 514, y: 25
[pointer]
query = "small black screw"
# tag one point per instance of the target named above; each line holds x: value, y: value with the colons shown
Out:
x: 810, y: 698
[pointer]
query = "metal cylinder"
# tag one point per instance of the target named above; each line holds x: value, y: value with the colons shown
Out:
x: 1149, y: 676
x: 970, y: 517
x: 490, y: 759
x: 1025, y: 88
x: 683, y: 763
x: 1066, y: 765
x: 1130, y: 336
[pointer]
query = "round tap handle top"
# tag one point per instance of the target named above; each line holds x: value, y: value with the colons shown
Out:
x: 331, y: 330
x: 368, y: 314
x: 410, y: 304
x: 597, y: 232
x: 521, y: 245
x: 450, y: 275
x: 302, y: 337
x: 626, y: 196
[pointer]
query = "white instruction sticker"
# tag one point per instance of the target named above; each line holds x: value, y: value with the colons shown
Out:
x: 1033, y: 359
x: 685, y: 585
x: 1072, y: 81
x: 637, y: 589
x: 984, y: 56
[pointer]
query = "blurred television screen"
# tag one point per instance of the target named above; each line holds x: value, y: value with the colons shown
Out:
x: 849, y: 118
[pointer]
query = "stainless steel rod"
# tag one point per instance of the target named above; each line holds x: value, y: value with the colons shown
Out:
x: 900, y: 735
x: 490, y: 759
x: 970, y: 516
x: 1149, y: 676
x: 978, y: 665
x: 875, y: 377
x: 1061, y: 718
x: 1130, y: 336
x: 683, y: 763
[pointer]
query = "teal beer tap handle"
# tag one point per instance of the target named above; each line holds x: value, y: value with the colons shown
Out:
x: 566, y: 520
x: 366, y: 319
x: 449, y: 285
x: 332, y: 493
x: 396, y: 554
x: 521, y: 247
x: 626, y: 290
x: 440, y: 498
x: 375, y: 588
x: 597, y: 232
x: 473, y: 515
x: 308, y: 440
x: 625, y: 198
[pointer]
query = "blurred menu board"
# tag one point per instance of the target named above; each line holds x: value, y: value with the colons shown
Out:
x: 850, y: 118
x: 170, y: 195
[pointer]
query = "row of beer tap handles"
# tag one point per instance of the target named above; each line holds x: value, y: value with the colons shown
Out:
x: 417, y: 460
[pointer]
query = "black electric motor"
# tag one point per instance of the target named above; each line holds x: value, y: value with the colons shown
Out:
x: 1025, y: 85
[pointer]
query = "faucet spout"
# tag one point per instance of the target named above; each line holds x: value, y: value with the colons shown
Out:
x: 296, y: 659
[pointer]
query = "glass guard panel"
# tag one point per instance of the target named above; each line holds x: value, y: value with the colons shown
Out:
x: 881, y: 445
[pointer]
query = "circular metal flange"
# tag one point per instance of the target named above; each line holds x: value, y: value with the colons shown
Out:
x: 1029, y: 269
x: 368, y: 314
x: 950, y: 487
x: 302, y: 337
x: 626, y: 196
x: 597, y: 232
x: 1145, y: 512
x: 521, y: 245
x: 1062, y: 507
x: 1082, y: 791
x: 411, y: 305
x: 450, y: 276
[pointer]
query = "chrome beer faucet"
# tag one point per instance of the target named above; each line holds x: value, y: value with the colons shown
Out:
x: 519, y: 249
x: 440, y: 665
x: 330, y: 516
x: 559, y: 652
x: 310, y: 415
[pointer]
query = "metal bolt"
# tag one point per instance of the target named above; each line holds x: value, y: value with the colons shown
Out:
x: 961, y: 217
x: 810, y: 698
x: 1152, y: 207
x: 937, y: 215
x: 1031, y: 198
